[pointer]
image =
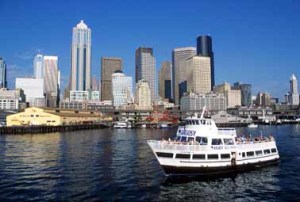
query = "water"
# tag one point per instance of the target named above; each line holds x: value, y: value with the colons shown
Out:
x: 118, y: 165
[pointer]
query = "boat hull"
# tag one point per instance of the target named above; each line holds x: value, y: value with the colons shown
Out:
x: 173, y: 170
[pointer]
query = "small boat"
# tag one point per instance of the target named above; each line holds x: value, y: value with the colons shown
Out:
x: 122, y: 124
x: 200, y: 148
x: 252, y: 125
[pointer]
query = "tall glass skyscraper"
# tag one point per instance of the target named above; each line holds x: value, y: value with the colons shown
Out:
x: 38, y: 66
x: 3, y: 79
x: 245, y: 93
x: 179, y: 55
x: 80, y: 78
x: 164, y: 81
x: 204, y: 48
x: 145, y: 68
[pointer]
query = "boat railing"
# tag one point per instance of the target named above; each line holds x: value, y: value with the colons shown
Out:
x: 227, y: 131
x: 171, y: 145
x: 256, y: 145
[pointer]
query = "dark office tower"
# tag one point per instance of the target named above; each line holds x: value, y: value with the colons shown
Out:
x: 245, y: 93
x: 204, y: 48
x: 3, y: 79
x: 108, y: 67
x: 164, y: 80
x: 145, y: 68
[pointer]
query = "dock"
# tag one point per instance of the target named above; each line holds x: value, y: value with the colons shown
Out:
x: 19, y: 130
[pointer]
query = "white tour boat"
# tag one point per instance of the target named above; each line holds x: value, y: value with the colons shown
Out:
x: 200, y: 148
x: 122, y: 124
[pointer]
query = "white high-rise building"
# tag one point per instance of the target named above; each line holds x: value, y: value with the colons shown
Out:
x: 145, y: 68
x: 51, y: 81
x: 179, y: 72
x: 143, y: 95
x: 294, y: 95
x: 38, y: 66
x: 33, y: 90
x: 198, y: 74
x: 121, y: 89
x: 80, y: 78
x: 232, y: 95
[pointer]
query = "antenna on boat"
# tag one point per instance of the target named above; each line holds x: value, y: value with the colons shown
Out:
x: 203, y: 111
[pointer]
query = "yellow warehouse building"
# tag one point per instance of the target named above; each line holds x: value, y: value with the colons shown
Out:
x: 52, y: 117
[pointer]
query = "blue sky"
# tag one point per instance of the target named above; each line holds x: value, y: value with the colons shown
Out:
x: 255, y: 42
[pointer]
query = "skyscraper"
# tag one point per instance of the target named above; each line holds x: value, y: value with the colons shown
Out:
x: 145, y: 68
x: 164, y: 81
x: 204, y: 48
x: 294, y: 95
x: 80, y: 78
x: 198, y: 74
x: 121, y: 89
x: 3, y: 79
x: 179, y: 72
x: 245, y: 93
x: 143, y: 95
x: 38, y: 66
x: 51, y: 80
x: 108, y: 67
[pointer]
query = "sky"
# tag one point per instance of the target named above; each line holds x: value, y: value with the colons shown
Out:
x: 256, y: 42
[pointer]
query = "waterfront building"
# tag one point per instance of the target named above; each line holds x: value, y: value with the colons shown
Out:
x: 77, y: 95
x: 52, y: 117
x: 263, y: 99
x: 94, y: 95
x: 108, y: 66
x: 165, y: 81
x: 121, y: 89
x: 38, y: 66
x: 80, y: 78
x: 245, y: 93
x: 11, y: 99
x: 143, y: 95
x: 196, y: 102
x: 51, y: 80
x: 233, y: 96
x: 198, y: 74
x: 179, y: 72
x: 293, y: 97
x: 145, y: 68
x: 204, y: 48
x: 33, y: 90
x: 3, y: 79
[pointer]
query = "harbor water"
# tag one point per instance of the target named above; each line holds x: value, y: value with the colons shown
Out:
x: 118, y: 165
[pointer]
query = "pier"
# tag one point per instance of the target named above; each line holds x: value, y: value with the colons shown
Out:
x: 17, y: 130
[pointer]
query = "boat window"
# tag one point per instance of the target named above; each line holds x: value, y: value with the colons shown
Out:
x: 212, y: 156
x: 228, y: 141
x: 199, y: 156
x: 267, y: 151
x: 216, y: 141
x: 190, y: 139
x: 251, y: 153
x: 225, y: 156
x: 166, y: 155
x: 183, y: 138
x: 193, y: 122
x: 204, y: 122
x: 243, y: 155
x: 183, y: 156
x: 178, y: 138
x: 202, y: 140
x: 273, y: 150
x: 258, y: 153
x: 197, y: 122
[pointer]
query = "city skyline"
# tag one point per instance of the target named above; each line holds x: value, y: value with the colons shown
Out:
x: 248, y: 48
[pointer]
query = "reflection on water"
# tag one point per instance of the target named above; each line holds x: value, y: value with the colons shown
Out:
x: 111, y: 165
x: 257, y: 185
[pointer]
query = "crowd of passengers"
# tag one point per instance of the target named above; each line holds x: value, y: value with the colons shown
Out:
x: 218, y: 141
